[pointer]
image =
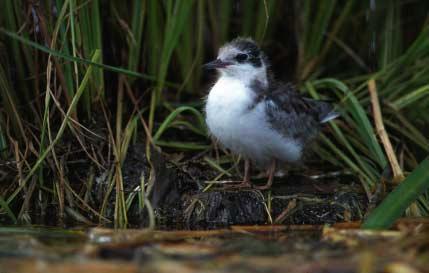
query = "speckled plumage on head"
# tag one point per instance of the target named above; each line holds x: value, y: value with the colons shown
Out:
x: 256, y: 56
x: 255, y: 116
x: 245, y: 60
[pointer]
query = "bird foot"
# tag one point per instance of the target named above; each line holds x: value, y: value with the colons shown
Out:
x: 263, y: 187
x: 271, y: 171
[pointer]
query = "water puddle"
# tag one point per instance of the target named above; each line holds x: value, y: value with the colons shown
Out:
x: 278, y: 248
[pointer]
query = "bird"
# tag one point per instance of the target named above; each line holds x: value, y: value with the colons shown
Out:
x: 264, y: 120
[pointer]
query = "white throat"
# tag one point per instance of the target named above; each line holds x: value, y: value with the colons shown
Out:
x: 246, y: 74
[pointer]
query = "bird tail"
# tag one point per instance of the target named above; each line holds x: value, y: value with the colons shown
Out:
x: 330, y: 116
x: 324, y: 109
x: 326, y: 112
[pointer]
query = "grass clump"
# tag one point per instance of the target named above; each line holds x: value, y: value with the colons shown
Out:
x: 83, y: 80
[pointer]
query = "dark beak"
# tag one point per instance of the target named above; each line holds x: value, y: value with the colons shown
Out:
x: 218, y: 63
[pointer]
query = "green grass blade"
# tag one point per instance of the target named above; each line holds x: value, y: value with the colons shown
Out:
x: 4, y: 205
x: 183, y: 145
x: 134, y: 42
x: 9, y: 100
x: 400, y: 198
x: 74, y: 59
x: 411, y: 97
x: 60, y: 132
x: 169, y: 120
x: 363, y: 125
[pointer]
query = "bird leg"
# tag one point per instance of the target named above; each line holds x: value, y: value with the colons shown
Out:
x: 246, y: 178
x: 271, y: 171
x: 245, y: 183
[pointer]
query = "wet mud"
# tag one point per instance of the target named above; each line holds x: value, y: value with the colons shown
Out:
x: 182, y: 199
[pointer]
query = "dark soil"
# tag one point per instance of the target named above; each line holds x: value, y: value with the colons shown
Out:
x: 182, y: 199
x: 180, y: 202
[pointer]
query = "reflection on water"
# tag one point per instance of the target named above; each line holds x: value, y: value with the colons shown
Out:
x: 303, y: 248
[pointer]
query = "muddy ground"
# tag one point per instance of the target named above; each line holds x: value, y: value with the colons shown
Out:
x: 182, y: 196
x: 182, y: 199
x: 208, y: 228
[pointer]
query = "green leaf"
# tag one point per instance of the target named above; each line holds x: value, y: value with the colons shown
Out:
x: 6, y: 208
x: 169, y: 120
x: 74, y: 59
x: 400, y: 198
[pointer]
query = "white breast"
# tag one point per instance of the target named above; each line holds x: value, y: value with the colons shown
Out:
x: 242, y: 128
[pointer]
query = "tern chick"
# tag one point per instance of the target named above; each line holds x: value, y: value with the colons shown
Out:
x: 263, y: 120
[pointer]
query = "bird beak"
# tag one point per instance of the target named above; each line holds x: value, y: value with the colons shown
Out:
x: 218, y: 63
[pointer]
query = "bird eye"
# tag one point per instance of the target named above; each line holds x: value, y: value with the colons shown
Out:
x: 241, y: 57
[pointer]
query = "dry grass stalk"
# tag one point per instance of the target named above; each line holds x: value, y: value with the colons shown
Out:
x: 398, y: 175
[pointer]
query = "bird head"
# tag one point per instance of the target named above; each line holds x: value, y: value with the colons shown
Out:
x: 241, y: 58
